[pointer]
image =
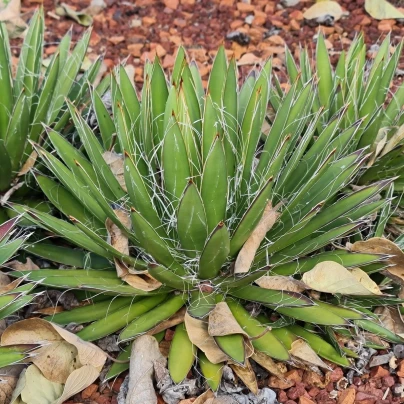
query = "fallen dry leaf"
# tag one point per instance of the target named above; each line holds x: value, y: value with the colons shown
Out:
x: 64, y: 10
x: 174, y: 320
x: 322, y: 10
x: 302, y: 351
x: 87, y: 353
x: 247, y: 253
x: 380, y: 245
x: 30, y: 331
x: 391, y: 319
x: 8, y: 381
x: 248, y: 59
x: 33, y: 388
x: 279, y: 282
x: 247, y: 375
x: 16, y: 265
x: 63, y: 356
x: 95, y: 7
x: 331, y: 277
x: 56, y: 361
x: 115, y: 162
x: 382, y: 10
x: 269, y: 364
x: 28, y: 164
x: 198, y: 334
x: 77, y: 381
x: 145, y: 351
x: 204, y: 397
x: 10, y: 14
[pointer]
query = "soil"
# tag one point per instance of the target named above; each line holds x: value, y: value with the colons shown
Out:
x: 140, y: 29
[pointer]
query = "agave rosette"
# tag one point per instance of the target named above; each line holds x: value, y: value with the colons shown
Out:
x: 164, y: 196
x: 34, y: 96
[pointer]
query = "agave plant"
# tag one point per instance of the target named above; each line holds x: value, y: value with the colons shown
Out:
x: 13, y: 295
x: 362, y: 87
x: 187, y: 205
x: 34, y: 96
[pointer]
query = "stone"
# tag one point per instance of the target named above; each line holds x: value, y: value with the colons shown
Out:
x: 347, y: 396
x: 172, y: 4
x: 378, y: 372
x: 245, y: 7
x: 89, y: 391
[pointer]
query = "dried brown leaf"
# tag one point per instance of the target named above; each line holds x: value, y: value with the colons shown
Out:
x: 8, y: 381
x: 279, y: 282
x: 30, y: 162
x: 56, y: 361
x: 30, y: 331
x: 87, y: 353
x: 16, y: 265
x: 379, y: 245
x: 199, y: 336
x: 77, y: 381
x: 174, y: 320
x: 145, y: 351
x: 391, y: 319
x: 302, y: 351
x: 269, y: 364
x: 247, y: 375
x: 332, y: 277
x: 116, y: 164
x: 247, y: 253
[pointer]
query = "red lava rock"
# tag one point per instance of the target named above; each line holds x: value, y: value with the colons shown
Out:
x: 378, y: 372
x: 169, y: 334
x: 172, y: 4
x: 294, y: 375
x: 89, y: 391
x: 114, y: 400
x: 347, y: 396
x: 305, y: 400
x: 245, y: 7
x: 282, y: 396
x: 297, y: 391
x: 313, y: 392
x: 357, y: 381
x: 322, y: 397
x: 388, y: 381
x: 336, y: 374
x: 116, y: 386
x: 330, y: 387
x: 103, y: 399
x: 291, y: 402
x: 364, y: 398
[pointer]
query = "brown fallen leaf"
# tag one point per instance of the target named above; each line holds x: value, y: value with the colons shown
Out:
x: 30, y: 162
x: 87, y: 353
x: 10, y: 13
x: 77, y: 381
x: 302, y: 351
x: 247, y: 375
x: 204, y: 397
x: 222, y: 322
x: 248, y: 59
x: 198, y: 334
x: 64, y: 10
x: 8, y: 381
x: 56, y: 361
x: 391, y: 319
x: 29, y: 331
x: 116, y: 236
x: 269, y: 364
x: 7, y: 286
x: 279, y: 282
x: 174, y: 320
x: 332, y: 277
x: 322, y: 10
x: 16, y: 265
x: 382, y: 10
x: 116, y: 163
x: 145, y: 351
x: 380, y: 245
x: 33, y: 388
x: 247, y: 253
